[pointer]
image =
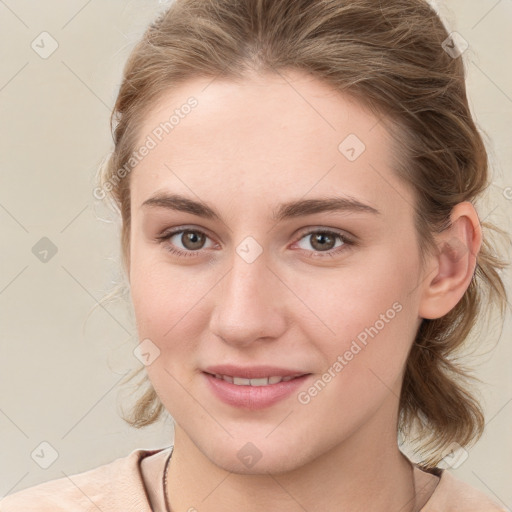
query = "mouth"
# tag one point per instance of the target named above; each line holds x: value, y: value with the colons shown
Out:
x: 262, y: 381
x: 255, y: 387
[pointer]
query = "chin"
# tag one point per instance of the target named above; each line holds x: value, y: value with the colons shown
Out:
x: 275, y: 464
x: 259, y: 457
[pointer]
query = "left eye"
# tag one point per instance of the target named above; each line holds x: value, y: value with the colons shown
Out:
x: 325, y: 241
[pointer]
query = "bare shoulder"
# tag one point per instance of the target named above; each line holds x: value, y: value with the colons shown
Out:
x: 112, y: 486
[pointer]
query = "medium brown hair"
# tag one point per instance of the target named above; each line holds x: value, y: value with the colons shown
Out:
x: 391, y: 57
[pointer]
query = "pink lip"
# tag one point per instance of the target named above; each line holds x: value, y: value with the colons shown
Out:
x: 252, y: 397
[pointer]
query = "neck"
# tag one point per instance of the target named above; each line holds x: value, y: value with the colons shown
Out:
x: 365, y: 472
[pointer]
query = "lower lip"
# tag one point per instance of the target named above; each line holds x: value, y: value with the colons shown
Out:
x: 253, y: 397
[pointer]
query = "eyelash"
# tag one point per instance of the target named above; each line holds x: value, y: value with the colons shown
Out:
x: 313, y: 254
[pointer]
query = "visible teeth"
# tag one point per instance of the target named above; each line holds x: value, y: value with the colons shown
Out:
x: 241, y: 382
x: 259, y: 382
x: 263, y: 381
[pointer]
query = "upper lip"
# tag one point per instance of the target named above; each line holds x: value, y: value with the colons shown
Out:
x: 252, y: 372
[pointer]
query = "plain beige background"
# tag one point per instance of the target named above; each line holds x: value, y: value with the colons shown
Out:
x: 60, y: 369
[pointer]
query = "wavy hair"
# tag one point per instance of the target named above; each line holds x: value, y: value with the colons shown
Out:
x: 392, y: 57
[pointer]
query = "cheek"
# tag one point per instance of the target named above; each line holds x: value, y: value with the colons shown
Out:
x: 169, y: 313
x: 164, y: 296
x: 354, y: 298
x: 363, y: 365
x: 371, y: 316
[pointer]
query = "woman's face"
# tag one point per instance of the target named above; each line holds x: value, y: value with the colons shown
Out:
x: 264, y: 278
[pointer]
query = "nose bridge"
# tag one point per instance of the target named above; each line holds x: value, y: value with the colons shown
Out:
x: 248, y: 301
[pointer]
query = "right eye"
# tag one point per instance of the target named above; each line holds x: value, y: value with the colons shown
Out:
x: 191, y: 240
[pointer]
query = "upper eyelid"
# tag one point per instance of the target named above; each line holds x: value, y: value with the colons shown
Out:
x: 336, y: 231
x: 166, y: 234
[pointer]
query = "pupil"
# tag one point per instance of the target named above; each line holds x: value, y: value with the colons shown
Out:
x: 322, y: 239
x: 192, y: 238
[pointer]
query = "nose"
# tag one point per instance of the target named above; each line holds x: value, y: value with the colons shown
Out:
x: 249, y: 304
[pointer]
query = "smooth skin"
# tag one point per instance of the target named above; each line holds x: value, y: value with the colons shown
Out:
x: 245, y: 149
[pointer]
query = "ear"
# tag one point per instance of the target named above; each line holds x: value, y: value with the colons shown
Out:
x: 449, y: 272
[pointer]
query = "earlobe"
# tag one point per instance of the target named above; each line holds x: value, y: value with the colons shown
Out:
x: 453, y: 266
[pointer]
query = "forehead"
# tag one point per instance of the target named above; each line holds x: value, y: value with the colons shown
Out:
x: 259, y: 106
x: 269, y: 136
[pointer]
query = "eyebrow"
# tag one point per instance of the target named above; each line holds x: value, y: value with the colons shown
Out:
x: 289, y: 210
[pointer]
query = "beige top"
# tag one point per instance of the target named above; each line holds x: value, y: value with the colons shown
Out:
x: 134, y: 484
